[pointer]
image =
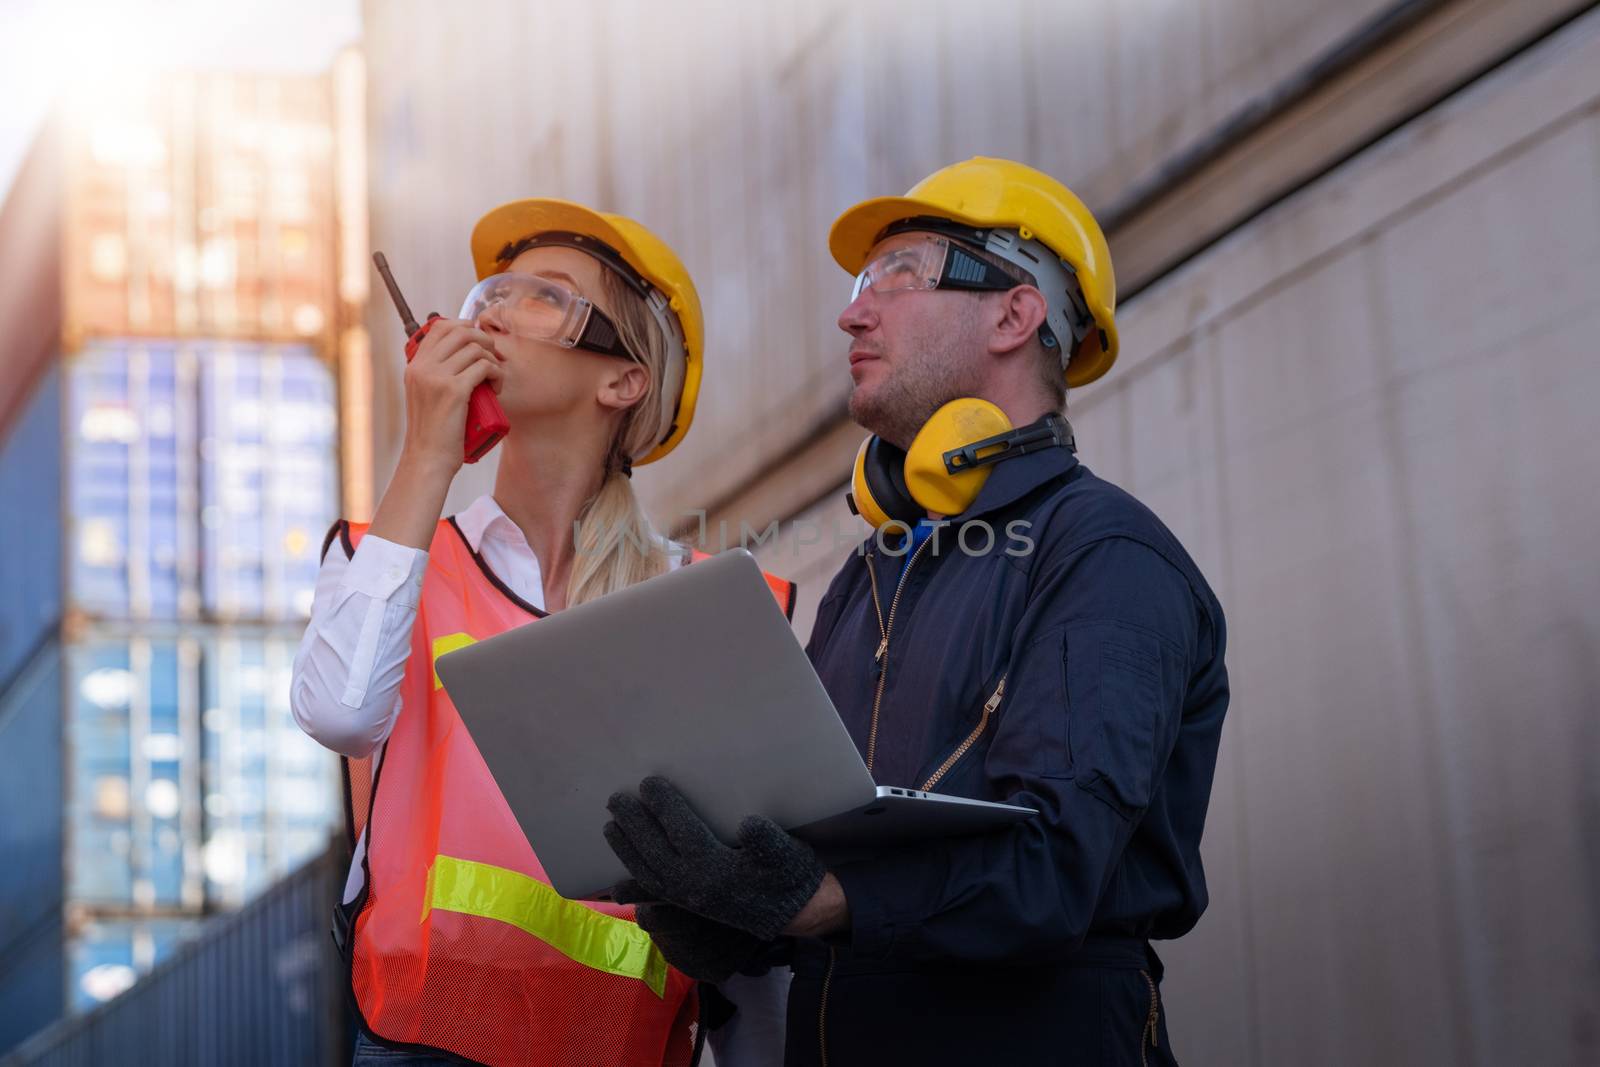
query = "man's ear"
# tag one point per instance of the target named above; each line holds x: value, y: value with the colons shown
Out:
x: 1020, y: 312
x: 623, y: 386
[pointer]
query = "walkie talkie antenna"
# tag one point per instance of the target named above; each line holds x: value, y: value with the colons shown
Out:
x: 407, y: 320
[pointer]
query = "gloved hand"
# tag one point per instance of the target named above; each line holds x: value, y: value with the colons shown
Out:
x: 702, y: 949
x: 757, y: 886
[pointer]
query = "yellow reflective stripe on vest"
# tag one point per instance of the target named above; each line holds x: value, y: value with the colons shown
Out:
x: 448, y: 643
x: 581, y: 934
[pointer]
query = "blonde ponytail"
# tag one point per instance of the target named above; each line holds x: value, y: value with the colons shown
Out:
x: 616, y: 545
x: 615, y: 542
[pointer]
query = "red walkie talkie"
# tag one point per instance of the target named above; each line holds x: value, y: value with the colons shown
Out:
x: 486, y: 423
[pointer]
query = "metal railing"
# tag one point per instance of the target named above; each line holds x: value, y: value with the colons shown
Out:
x: 263, y: 985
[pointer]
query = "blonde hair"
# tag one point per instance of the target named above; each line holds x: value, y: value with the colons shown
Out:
x: 616, y: 544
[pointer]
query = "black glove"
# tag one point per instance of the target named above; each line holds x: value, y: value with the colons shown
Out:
x: 702, y: 949
x: 757, y: 886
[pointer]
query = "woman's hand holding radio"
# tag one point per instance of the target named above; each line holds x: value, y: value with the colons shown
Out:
x: 453, y: 358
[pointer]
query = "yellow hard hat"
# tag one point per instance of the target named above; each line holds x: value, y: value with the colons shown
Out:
x: 998, y: 193
x: 644, y: 252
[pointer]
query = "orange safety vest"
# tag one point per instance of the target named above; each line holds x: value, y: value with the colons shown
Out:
x: 457, y: 942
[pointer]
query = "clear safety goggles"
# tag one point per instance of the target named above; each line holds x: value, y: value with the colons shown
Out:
x: 540, y: 309
x: 933, y: 262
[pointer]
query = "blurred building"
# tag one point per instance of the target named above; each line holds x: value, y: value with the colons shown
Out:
x: 172, y: 266
x: 1357, y: 245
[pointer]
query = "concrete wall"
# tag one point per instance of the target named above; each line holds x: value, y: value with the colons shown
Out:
x: 1365, y: 411
x: 1366, y: 414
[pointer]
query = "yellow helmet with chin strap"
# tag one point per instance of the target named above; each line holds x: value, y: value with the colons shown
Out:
x: 638, y: 256
x: 998, y: 194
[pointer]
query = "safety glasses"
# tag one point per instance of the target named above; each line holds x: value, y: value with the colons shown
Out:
x: 540, y: 309
x: 931, y: 263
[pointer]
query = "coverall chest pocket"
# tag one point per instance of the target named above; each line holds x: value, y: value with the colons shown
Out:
x: 1114, y: 698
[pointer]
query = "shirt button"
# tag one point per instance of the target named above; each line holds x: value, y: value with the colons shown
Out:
x: 396, y: 574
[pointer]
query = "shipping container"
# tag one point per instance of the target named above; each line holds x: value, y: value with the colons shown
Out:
x: 269, y: 478
x: 202, y: 478
x: 190, y: 785
x: 31, y: 533
x: 176, y: 785
x: 173, y: 465
x: 30, y: 263
x: 30, y: 536
x: 272, y: 795
x: 133, y: 815
x: 30, y: 800
x: 202, y: 205
x: 262, y: 986
x: 131, y: 455
x: 32, y: 977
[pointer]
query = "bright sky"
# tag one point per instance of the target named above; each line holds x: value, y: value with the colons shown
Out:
x: 48, y: 45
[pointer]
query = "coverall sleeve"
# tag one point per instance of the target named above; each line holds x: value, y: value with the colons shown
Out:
x: 1094, y: 694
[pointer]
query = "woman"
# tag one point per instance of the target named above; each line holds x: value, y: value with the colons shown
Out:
x: 589, y: 330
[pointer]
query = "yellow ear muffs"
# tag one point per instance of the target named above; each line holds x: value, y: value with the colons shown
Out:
x: 953, y: 427
x: 878, y: 486
x: 947, y: 464
x: 890, y: 485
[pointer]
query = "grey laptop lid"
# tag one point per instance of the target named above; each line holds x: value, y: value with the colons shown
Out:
x: 694, y: 675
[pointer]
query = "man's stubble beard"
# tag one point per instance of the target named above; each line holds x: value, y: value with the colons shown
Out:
x: 898, y: 407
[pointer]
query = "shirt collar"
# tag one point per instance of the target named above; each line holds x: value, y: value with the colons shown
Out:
x: 484, y: 518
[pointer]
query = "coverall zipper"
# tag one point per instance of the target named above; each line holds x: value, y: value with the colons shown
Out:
x: 1152, y: 1021
x: 885, y: 628
x: 971, y: 739
x: 822, y: 1014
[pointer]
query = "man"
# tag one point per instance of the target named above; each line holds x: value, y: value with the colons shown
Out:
x: 1077, y: 670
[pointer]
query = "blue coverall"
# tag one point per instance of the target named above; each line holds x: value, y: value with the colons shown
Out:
x: 1028, y: 945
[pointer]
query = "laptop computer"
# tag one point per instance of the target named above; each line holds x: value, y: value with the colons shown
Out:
x: 695, y: 675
